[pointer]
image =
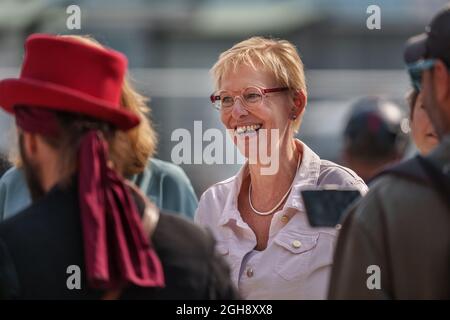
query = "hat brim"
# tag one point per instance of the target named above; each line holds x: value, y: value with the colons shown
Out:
x: 416, y: 48
x: 51, y: 96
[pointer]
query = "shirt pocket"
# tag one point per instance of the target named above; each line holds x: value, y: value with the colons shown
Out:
x: 224, y: 250
x: 294, y: 254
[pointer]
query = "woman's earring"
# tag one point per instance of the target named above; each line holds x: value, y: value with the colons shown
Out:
x: 293, y: 116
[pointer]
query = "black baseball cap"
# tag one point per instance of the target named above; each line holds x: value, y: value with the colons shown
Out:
x: 375, y: 129
x: 434, y: 42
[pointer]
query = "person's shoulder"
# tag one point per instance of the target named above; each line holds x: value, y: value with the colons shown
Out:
x: 392, y: 186
x: 215, y: 197
x: 213, y: 202
x: 330, y: 168
x: 22, y: 227
x: 220, y: 188
x: 27, y: 216
x: 14, y: 194
x: 41, y: 215
x: 168, y: 169
x: 177, y: 194
x: 333, y: 173
x: 392, y: 198
x: 12, y: 176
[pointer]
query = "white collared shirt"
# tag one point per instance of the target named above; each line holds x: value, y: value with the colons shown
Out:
x: 297, y: 261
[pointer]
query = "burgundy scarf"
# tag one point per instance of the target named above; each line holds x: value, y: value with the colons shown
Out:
x: 117, y: 252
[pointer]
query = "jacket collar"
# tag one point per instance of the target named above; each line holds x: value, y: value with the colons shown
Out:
x: 306, y: 178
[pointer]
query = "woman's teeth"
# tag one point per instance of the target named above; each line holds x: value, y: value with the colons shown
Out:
x: 248, y: 129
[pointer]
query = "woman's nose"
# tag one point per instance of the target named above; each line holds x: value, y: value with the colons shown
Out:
x: 238, y: 110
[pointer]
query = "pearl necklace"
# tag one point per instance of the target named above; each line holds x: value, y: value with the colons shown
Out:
x: 269, y: 212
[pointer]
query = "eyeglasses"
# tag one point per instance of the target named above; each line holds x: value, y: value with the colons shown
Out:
x: 251, y: 97
x: 416, y: 69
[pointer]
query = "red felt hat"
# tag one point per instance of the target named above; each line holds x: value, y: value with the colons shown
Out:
x: 65, y: 74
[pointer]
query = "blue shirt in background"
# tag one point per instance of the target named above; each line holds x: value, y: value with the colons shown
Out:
x: 164, y: 183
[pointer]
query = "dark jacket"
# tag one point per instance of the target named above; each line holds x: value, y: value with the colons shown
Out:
x: 403, y: 228
x: 39, y: 244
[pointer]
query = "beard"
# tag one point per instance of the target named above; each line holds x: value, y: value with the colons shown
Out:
x: 32, y: 173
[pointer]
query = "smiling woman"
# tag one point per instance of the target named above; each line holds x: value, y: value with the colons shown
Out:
x: 257, y: 216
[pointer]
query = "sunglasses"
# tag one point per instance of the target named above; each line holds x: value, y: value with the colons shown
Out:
x: 416, y: 69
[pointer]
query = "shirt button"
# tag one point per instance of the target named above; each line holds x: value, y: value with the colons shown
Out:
x: 284, y: 218
x: 296, y: 244
x: 249, y: 272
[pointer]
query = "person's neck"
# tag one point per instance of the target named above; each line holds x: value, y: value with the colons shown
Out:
x: 271, y: 188
x: 50, y: 174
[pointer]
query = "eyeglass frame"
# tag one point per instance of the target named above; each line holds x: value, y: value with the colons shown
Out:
x: 215, y: 97
x: 420, y: 65
x: 416, y: 69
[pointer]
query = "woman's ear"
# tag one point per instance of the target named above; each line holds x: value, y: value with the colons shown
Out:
x: 30, y: 144
x: 299, y: 104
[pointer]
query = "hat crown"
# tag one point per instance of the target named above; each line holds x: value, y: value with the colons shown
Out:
x: 440, y: 24
x: 434, y: 43
x: 75, y: 65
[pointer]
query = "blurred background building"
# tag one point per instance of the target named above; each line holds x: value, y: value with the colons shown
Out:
x: 171, y: 44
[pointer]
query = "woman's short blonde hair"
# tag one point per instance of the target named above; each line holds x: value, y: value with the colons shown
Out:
x: 133, y: 147
x: 280, y: 57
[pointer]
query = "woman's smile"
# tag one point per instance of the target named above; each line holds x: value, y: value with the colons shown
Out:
x: 247, y: 129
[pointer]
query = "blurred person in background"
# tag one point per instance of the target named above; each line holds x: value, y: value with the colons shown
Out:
x: 69, y: 117
x: 422, y: 130
x: 4, y: 165
x: 164, y: 183
x: 395, y: 243
x: 258, y: 219
x: 374, y: 136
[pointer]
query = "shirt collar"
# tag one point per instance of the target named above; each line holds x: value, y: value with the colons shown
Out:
x: 230, y: 210
x: 306, y: 178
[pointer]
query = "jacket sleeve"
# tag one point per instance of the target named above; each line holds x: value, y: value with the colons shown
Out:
x: 361, y: 269
x: 220, y: 286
